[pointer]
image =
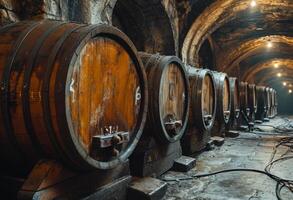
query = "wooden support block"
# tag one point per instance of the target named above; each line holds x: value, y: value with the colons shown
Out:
x: 184, y: 164
x: 232, y: 134
x: 218, y: 141
x: 146, y: 188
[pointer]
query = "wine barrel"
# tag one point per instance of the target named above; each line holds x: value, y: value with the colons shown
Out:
x: 168, y: 97
x: 235, y: 103
x: 275, y: 103
x: 223, y: 109
x: 252, y: 103
x: 244, y: 99
x: 202, y: 110
x: 71, y: 92
x: 268, y: 102
x: 272, y: 102
x: 261, y: 103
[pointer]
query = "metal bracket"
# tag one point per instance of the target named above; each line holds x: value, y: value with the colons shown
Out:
x: 171, y: 125
x: 109, y: 140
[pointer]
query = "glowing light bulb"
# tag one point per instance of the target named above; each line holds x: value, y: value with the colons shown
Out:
x: 279, y: 74
x: 290, y: 91
x: 284, y: 83
x: 276, y: 65
x: 252, y: 4
x: 269, y: 44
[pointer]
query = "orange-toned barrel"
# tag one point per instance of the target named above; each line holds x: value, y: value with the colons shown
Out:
x: 252, y: 101
x: 223, y: 110
x: 202, y: 110
x: 235, y: 103
x: 71, y: 92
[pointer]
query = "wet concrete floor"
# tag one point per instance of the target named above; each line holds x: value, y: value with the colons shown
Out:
x: 248, y: 151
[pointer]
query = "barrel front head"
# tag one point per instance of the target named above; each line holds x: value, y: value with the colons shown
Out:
x: 105, y: 97
x: 223, y: 97
x: 235, y: 99
x: 169, y: 97
x: 244, y: 98
x: 203, y: 99
x: 252, y: 101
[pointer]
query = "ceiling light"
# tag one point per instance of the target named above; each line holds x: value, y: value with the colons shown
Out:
x: 279, y: 74
x: 284, y: 83
x: 276, y: 65
x: 269, y: 44
x: 253, y: 4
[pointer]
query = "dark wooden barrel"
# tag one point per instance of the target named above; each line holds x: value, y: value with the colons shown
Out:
x: 202, y: 110
x: 244, y: 106
x: 268, y: 102
x: 223, y: 109
x: 235, y: 102
x: 275, y: 103
x: 261, y: 103
x: 252, y: 101
x: 168, y: 97
x: 272, y: 102
x: 71, y: 92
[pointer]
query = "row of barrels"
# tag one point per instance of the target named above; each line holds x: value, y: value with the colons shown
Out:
x: 82, y: 94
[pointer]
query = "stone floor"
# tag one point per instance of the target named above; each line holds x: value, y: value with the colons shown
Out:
x: 249, y: 150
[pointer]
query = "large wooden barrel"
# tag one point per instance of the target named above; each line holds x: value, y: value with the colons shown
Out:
x: 168, y: 97
x: 272, y: 102
x: 235, y: 102
x: 202, y: 110
x: 167, y: 116
x: 71, y: 92
x: 261, y: 103
x: 223, y: 103
x: 252, y: 101
x: 268, y: 102
x: 275, y: 103
x: 244, y: 106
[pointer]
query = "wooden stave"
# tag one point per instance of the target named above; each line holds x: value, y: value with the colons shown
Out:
x: 131, y: 47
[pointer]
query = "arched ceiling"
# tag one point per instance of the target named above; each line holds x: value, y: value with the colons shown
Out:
x: 240, y: 34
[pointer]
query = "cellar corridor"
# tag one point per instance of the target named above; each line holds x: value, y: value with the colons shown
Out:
x: 146, y: 99
x: 249, y: 150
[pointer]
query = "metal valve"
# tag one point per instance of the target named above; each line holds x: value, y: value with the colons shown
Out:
x: 110, y: 138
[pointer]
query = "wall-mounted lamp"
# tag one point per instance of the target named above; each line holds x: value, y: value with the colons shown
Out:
x: 279, y: 74
x: 290, y: 91
x: 284, y: 83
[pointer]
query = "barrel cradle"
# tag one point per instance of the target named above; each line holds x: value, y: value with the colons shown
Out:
x: 70, y: 92
x: 252, y: 101
x: 235, y: 103
x: 202, y: 110
x: 167, y: 115
x: 223, y: 110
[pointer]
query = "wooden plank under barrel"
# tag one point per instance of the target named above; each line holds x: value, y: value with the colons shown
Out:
x: 202, y: 110
x: 70, y: 92
x: 235, y: 103
x: 223, y: 103
x: 167, y: 115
